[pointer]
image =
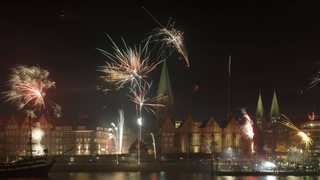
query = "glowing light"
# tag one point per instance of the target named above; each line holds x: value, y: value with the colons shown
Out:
x: 39, y: 149
x: 312, y: 116
x: 306, y: 140
x: 37, y: 134
x: 267, y: 165
x: 140, y: 121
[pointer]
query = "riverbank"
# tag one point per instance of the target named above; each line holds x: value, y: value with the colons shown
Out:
x: 176, y: 167
x: 131, y: 167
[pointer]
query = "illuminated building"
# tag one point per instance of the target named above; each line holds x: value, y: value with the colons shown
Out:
x: 312, y: 129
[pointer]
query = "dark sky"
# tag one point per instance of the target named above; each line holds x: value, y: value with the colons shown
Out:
x: 274, y: 45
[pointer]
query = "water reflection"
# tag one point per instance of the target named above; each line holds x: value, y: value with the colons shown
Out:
x: 162, y: 175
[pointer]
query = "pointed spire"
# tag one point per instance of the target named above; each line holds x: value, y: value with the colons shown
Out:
x: 274, y: 110
x: 164, y: 88
x: 260, y: 111
x: 164, y: 83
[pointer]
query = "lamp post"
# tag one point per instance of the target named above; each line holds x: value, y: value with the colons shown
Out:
x: 139, y: 140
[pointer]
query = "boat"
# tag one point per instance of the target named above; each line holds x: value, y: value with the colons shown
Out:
x: 28, y: 167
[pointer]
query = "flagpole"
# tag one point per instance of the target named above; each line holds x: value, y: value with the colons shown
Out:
x: 229, y: 77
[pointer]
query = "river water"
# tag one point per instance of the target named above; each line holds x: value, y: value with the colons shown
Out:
x: 121, y: 175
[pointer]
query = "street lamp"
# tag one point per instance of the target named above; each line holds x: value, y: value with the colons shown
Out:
x: 139, y: 140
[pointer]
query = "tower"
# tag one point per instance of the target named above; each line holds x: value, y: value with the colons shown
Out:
x: 164, y: 88
x: 274, y: 110
x: 260, y: 121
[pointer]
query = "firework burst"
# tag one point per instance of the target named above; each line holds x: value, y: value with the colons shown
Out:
x: 247, y: 128
x: 168, y: 38
x: 27, y: 89
x: 149, y: 104
x: 130, y: 65
x: 306, y: 140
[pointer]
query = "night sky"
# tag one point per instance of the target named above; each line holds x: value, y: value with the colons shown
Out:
x: 274, y: 45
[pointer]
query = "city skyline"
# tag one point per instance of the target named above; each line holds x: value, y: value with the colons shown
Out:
x: 272, y: 45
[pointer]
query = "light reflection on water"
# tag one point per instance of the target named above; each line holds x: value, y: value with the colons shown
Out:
x: 155, y: 176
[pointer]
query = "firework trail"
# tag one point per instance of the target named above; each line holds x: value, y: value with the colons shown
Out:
x: 247, y: 127
x: 313, y: 81
x: 154, y: 146
x: 307, y: 141
x: 27, y: 89
x: 168, y: 38
x: 149, y: 104
x: 113, y: 134
x: 121, y: 126
x: 128, y: 65
x: 116, y: 133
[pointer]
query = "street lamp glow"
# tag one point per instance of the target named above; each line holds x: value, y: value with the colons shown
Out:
x: 140, y: 121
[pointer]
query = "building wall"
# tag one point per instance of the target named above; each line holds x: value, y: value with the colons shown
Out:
x: 77, y: 140
x: 194, y: 137
x: 190, y: 137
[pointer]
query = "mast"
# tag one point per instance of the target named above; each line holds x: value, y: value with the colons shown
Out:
x: 229, y: 76
x: 30, y: 136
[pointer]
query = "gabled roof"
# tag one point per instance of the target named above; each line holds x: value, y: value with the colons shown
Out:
x: 167, y: 126
x: 211, y: 125
x: 189, y: 125
x: 233, y: 126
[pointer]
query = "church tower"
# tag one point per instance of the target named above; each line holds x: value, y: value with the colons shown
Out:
x: 260, y: 121
x: 274, y: 110
x: 164, y: 89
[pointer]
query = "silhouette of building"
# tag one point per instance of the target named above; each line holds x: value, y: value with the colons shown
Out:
x: 274, y: 137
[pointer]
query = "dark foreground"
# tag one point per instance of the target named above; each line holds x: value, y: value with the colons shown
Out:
x: 176, y: 167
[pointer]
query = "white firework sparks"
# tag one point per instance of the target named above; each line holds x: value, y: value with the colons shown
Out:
x: 27, y: 88
x: 169, y: 38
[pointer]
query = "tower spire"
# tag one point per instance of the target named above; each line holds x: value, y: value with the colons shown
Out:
x: 274, y: 110
x: 164, y: 88
x: 260, y: 111
x: 164, y: 83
